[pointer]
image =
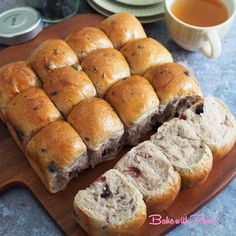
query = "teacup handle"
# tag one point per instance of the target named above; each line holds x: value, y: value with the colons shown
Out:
x: 212, y: 48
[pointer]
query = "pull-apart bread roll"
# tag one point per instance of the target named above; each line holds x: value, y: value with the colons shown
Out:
x: 67, y: 86
x: 176, y: 88
x: 105, y: 67
x: 99, y: 127
x: 28, y: 112
x: 111, y: 206
x: 14, y: 78
x: 215, y: 125
x: 151, y: 172
x: 122, y: 28
x: 189, y: 155
x: 136, y: 103
x: 51, y: 54
x: 57, y: 154
x: 86, y: 40
x: 142, y: 54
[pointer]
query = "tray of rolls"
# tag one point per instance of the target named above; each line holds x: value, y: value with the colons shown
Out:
x: 107, y: 93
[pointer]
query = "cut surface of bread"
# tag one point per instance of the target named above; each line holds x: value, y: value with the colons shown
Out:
x: 214, y: 124
x: 190, y: 156
x: 151, y: 172
x: 110, y: 206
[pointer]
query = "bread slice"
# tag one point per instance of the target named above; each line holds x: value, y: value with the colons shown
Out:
x: 215, y: 125
x: 151, y: 172
x: 190, y: 156
x: 110, y: 206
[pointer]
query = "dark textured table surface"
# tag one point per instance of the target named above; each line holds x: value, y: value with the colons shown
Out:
x: 21, y: 214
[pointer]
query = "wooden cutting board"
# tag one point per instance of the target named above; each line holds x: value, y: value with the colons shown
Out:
x: 14, y: 170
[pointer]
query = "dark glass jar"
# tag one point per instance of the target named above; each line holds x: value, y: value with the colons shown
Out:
x: 53, y: 11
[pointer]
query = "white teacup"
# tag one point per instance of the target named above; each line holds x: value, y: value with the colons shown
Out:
x: 194, y: 38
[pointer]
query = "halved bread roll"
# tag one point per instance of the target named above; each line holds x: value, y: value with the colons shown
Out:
x: 142, y: 54
x: 14, y: 78
x: 111, y: 206
x: 99, y: 127
x: 28, y: 112
x: 214, y: 124
x: 121, y: 28
x: 51, y: 54
x: 57, y: 154
x: 189, y: 155
x: 105, y: 67
x: 151, y: 172
x: 67, y: 86
x: 136, y: 103
x: 87, y: 40
x: 176, y: 88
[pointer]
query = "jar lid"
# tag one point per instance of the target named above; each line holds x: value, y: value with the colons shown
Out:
x: 19, y: 24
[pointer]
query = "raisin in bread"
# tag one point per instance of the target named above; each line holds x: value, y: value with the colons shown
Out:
x: 215, y: 125
x: 151, y: 172
x: 190, y: 156
x: 110, y: 206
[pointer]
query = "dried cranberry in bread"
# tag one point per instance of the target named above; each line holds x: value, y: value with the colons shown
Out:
x: 111, y: 206
x: 67, y: 86
x: 151, y: 172
x: 87, y: 40
x: 136, y: 103
x: 214, y: 124
x: 100, y: 128
x: 142, y: 54
x: 121, y: 28
x: 57, y: 154
x: 51, y: 54
x: 14, y: 78
x: 176, y: 87
x: 105, y: 67
x: 189, y: 155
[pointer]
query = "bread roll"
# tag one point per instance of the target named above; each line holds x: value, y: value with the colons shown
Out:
x: 121, y: 28
x: 28, y: 112
x: 105, y: 67
x: 151, y: 172
x: 190, y: 156
x: 99, y: 127
x: 111, y: 206
x: 215, y: 125
x: 87, y: 40
x: 57, y: 154
x: 67, y: 86
x: 136, y: 103
x: 142, y: 54
x: 51, y: 54
x: 14, y: 78
x: 176, y: 87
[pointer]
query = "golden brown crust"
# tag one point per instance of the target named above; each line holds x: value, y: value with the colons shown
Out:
x: 86, y: 40
x: 142, y: 54
x: 95, y: 120
x: 67, y: 86
x: 131, y: 98
x: 105, y: 67
x: 53, y: 149
x: 29, y: 111
x: 93, y: 227
x: 171, y: 81
x: 122, y: 28
x: 14, y: 78
x: 51, y: 54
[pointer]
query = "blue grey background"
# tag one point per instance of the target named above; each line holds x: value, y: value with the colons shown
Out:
x: 21, y: 214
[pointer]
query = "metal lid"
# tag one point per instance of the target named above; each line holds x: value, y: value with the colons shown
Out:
x: 20, y: 24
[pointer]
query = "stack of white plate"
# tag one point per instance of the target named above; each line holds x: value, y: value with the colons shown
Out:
x: 146, y: 11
